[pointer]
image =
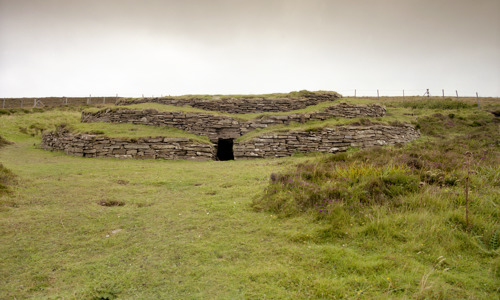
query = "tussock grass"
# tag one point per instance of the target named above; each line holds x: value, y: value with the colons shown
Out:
x: 4, y: 142
x: 7, y: 178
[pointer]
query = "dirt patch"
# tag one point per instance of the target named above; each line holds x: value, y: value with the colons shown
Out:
x: 111, y: 203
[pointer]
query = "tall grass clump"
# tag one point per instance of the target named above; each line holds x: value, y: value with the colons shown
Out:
x: 429, y: 175
x: 4, y: 142
x: 321, y: 187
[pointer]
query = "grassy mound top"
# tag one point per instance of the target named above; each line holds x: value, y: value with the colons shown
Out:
x: 127, y: 130
x: 188, y: 109
x: 291, y: 95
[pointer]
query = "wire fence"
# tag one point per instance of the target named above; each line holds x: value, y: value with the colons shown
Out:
x: 457, y: 94
x: 6, y: 103
x: 55, y: 101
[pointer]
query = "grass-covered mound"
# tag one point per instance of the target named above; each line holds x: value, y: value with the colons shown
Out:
x: 409, y: 203
x: 188, y: 109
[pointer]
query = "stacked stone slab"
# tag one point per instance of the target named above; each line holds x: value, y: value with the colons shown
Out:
x: 224, y: 127
x: 329, y: 140
x: 91, y: 145
x: 216, y: 127
x: 243, y: 105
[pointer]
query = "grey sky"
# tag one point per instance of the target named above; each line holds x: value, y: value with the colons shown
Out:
x: 151, y: 47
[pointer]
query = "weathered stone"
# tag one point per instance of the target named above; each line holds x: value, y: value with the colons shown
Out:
x: 325, y: 140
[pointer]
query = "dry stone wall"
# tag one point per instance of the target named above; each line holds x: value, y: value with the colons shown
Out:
x: 329, y: 140
x: 88, y: 145
x: 342, y: 110
x: 225, y: 127
x: 212, y: 126
x: 242, y: 105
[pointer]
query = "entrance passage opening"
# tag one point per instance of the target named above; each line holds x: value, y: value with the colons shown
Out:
x: 225, y: 149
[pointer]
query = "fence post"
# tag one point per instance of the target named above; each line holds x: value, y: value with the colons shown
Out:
x: 403, y: 94
x: 456, y: 93
x: 34, y: 102
x: 103, y: 100
x: 22, y: 103
x: 443, y: 93
x: 3, y: 104
x: 378, y: 95
x: 477, y: 99
x: 354, y: 93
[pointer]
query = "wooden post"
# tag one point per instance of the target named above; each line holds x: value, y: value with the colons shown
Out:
x: 403, y: 94
x: 378, y: 96
x: 477, y: 99
x: 443, y: 93
x: 34, y: 102
x: 457, y: 93
x: 116, y: 99
x: 103, y: 100
x: 3, y: 104
x: 22, y: 103
x: 354, y: 93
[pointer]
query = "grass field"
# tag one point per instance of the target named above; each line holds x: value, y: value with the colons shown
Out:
x: 82, y: 228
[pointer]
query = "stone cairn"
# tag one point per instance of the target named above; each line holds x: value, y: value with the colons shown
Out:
x: 221, y: 127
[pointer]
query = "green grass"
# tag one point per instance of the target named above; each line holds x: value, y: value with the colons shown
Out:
x: 202, y: 229
x: 157, y: 106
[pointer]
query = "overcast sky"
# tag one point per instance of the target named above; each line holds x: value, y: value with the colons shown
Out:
x: 153, y: 47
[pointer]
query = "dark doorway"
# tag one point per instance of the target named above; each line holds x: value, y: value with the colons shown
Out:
x: 225, y: 149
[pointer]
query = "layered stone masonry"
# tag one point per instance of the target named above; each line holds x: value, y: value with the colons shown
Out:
x: 225, y: 127
x: 328, y: 140
x: 89, y: 145
x: 242, y: 105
